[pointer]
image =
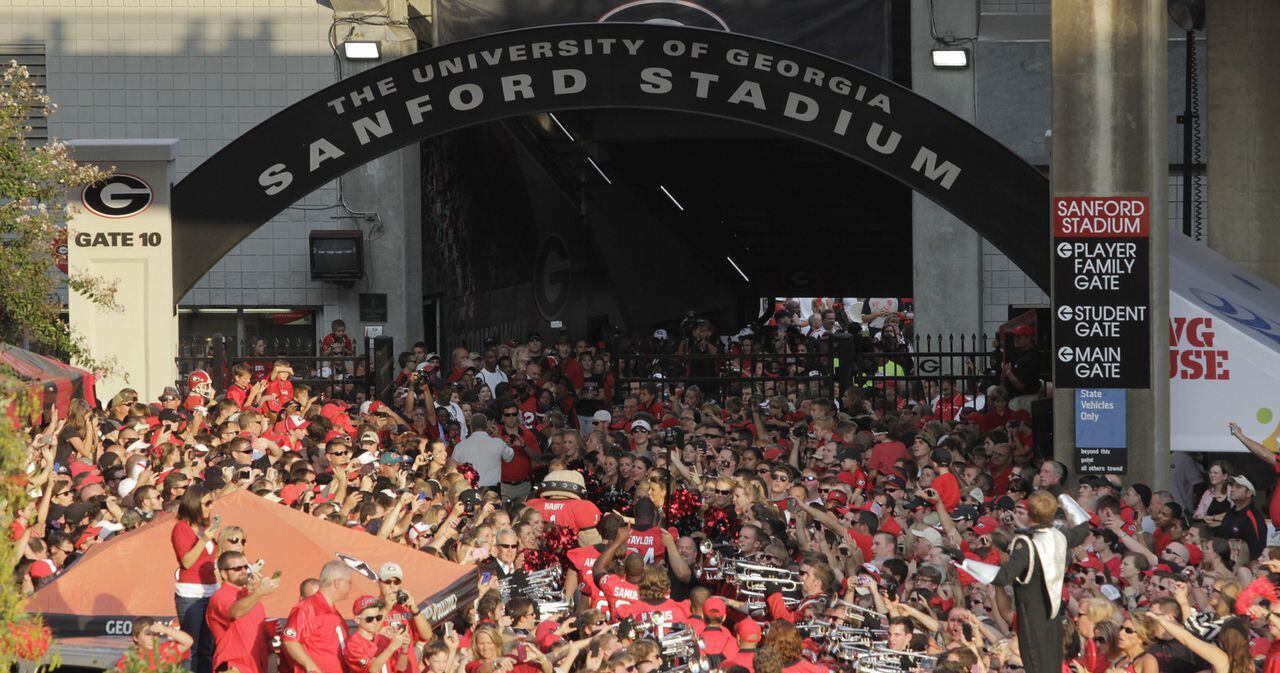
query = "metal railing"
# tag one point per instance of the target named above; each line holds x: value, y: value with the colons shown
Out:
x: 808, y: 374
x: 349, y: 378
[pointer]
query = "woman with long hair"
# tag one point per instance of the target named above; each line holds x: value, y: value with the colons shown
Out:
x: 1136, y: 635
x: 193, y: 537
x: 78, y: 436
x: 786, y: 641
x: 1214, y: 503
x: 1095, y: 612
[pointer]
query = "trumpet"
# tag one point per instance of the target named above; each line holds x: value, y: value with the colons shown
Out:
x: 740, y: 572
x: 855, y: 612
x: 711, y: 566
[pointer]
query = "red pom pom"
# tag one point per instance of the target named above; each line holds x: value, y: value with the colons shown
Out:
x: 1258, y: 589
x: 537, y: 559
x: 683, y: 503
x: 719, y: 525
x: 466, y: 470
x: 558, y: 539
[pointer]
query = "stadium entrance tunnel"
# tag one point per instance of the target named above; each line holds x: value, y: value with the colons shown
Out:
x: 610, y: 66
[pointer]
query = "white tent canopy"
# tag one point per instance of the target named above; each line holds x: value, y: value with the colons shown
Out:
x: 1224, y: 349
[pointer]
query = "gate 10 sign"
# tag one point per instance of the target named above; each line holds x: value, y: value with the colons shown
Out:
x: 1101, y: 291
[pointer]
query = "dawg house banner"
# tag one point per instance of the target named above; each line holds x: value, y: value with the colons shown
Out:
x: 854, y: 31
x: 606, y: 65
x: 1224, y: 351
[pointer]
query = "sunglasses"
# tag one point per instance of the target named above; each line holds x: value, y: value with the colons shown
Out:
x: 391, y: 582
x: 508, y: 546
x: 724, y: 492
x: 371, y: 619
x: 808, y: 477
x: 243, y: 451
x: 640, y: 430
x: 338, y: 453
x: 781, y: 477
x: 237, y: 540
x: 238, y: 568
x: 510, y: 415
x: 764, y: 470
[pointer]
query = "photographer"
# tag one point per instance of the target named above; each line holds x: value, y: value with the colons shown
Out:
x: 404, y: 613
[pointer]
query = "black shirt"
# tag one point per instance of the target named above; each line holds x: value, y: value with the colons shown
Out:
x: 1174, y: 657
x: 1247, y: 525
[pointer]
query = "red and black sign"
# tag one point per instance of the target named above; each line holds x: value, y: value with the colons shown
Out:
x: 1102, y: 288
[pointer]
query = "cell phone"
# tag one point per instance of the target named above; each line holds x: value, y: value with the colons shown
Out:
x: 968, y: 630
x: 485, y: 577
x: 217, y: 520
x: 448, y: 628
x: 276, y: 575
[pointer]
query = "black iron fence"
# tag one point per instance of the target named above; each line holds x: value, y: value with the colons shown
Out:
x: 961, y: 368
x: 807, y: 374
x: 353, y: 378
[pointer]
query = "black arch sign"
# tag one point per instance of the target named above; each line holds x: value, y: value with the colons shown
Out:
x: 610, y: 65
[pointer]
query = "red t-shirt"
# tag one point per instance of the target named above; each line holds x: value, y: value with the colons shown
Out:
x: 1272, y: 664
x: 885, y: 454
x: 744, y: 659
x: 317, y: 626
x: 238, y: 394
x: 403, y: 614
x: 856, y: 479
x: 1000, y: 480
x: 717, y: 640
x: 572, y: 514
x: 360, y: 653
x: 948, y: 488
x: 520, y: 466
x: 242, y: 643
x: 583, y: 560
x: 864, y: 543
x: 992, y: 420
x: 647, y: 543
x: 194, y: 400
x: 201, y: 572
x: 1275, y: 501
x: 283, y: 390
x: 617, y: 591
x: 672, y: 612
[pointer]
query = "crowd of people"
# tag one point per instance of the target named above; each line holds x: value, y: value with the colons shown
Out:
x: 680, y: 530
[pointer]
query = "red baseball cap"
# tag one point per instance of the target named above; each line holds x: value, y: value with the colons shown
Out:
x: 42, y: 568
x: 295, y: 423
x: 1195, y: 554
x: 1091, y: 562
x: 714, y: 607
x: 747, y: 630
x: 985, y: 525
x: 365, y: 602
x: 290, y: 494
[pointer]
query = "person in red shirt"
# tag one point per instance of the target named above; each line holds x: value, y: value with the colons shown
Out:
x: 618, y: 590
x: 403, y: 613
x: 315, y: 632
x: 560, y: 501
x: 369, y: 648
x: 242, y: 391
x: 237, y: 618
x: 279, y: 387
x: 886, y: 452
x: 718, y: 643
x: 193, y: 538
x: 749, y: 634
x: 655, y: 602
x: 1262, y: 452
x: 524, y: 444
x: 945, y: 484
x: 147, y: 646
x: 337, y: 342
x: 784, y: 639
x: 646, y: 537
x: 999, y: 460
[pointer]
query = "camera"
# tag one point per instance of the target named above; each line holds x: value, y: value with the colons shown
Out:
x: 673, y: 436
x: 699, y: 444
x: 402, y: 597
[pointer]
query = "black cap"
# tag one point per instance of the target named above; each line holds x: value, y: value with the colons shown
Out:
x: 847, y: 453
x: 534, y: 335
x: 1005, y: 502
x: 965, y: 513
x: 917, y: 503
x: 171, y: 416
x: 942, y: 456
x: 470, y: 497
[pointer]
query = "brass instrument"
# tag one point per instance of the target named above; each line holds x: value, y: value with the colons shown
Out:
x: 544, y: 587
x: 883, y: 660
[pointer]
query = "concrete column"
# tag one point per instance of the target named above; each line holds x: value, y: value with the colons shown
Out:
x: 123, y: 232
x: 1110, y: 138
x: 946, y: 253
x: 386, y: 196
x: 1243, y: 150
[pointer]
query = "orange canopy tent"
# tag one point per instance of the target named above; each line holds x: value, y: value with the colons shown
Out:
x: 131, y: 575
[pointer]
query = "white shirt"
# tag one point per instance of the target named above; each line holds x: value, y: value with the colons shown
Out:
x: 492, y: 379
x: 486, y: 454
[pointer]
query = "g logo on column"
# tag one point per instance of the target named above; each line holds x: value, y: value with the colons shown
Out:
x: 117, y: 197
x: 551, y: 274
